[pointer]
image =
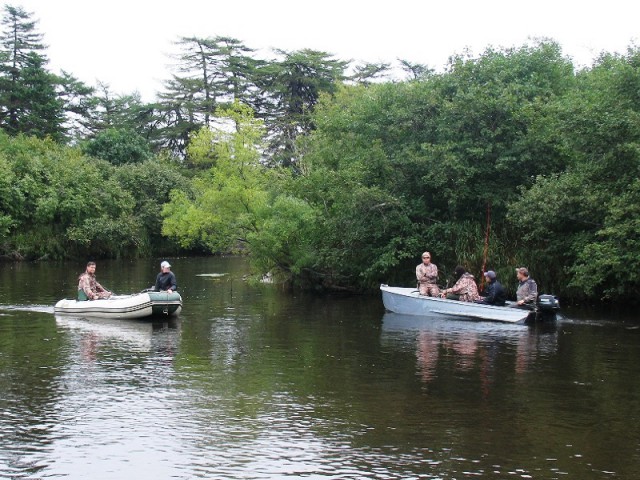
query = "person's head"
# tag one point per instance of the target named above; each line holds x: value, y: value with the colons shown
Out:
x: 522, y: 273
x: 165, y: 266
x: 490, y: 275
x: 426, y: 258
x: 459, y: 271
x: 91, y: 267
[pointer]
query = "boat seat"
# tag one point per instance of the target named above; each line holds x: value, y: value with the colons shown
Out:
x: 82, y: 296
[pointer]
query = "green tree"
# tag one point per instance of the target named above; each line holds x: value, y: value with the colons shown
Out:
x: 579, y: 225
x: 399, y: 167
x: 104, y: 110
x: 210, y: 72
x: 149, y: 183
x: 57, y: 202
x: 416, y: 71
x: 367, y: 73
x: 32, y: 99
x: 29, y: 101
x: 222, y: 210
x: 293, y: 85
x: 118, y: 147
x: 240, y: 205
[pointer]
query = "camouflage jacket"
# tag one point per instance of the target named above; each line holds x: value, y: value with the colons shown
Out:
x: 88, y: 284
x: 427, y: 273
x: 465, y: 287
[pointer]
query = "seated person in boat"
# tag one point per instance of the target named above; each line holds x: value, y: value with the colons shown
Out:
x: 88, y: 287
x: 166, y: 280
x: 465, y: 288
x: 427, y: 276
x: 495, y: 294
x: 527, y: 293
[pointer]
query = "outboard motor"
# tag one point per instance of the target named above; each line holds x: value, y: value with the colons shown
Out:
x: 545, y: 309
x: 548, y: 303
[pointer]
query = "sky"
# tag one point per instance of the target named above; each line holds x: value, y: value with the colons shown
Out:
x: 127, y: 44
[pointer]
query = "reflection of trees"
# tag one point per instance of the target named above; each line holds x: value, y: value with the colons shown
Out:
x: 30, y: 385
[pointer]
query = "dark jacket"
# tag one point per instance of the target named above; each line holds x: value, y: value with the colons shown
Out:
x: 164, y: 281
x: 495, y: 294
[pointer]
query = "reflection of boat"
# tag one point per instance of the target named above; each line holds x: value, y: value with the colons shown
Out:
x: 447, y: 326
x: 408, y: 301
x: 139, y: 305
x: 438, y: 338
x: 136, y: 335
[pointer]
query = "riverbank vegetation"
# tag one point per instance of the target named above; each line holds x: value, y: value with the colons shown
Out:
x: 328, y: 173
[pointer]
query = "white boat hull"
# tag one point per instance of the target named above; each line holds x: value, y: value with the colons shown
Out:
x: 408, y: 301
x: 119, y: 306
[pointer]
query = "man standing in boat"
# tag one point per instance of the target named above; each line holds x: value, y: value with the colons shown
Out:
x: 88, y: 287
x: 527, y: 292
x: 427, y: 276
x: 166, y: 280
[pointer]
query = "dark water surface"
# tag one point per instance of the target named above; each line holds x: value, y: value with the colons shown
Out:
x: 256, y: 383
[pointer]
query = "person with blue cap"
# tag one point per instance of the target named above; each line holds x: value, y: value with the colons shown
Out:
x: 495, y: 294
x: 166, y: 280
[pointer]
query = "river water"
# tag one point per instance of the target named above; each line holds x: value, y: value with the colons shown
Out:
x: 253, y: 382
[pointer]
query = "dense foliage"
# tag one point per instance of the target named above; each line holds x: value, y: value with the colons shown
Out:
x: 57, y: 203
x: 514, y: 137
x: 325, y: 173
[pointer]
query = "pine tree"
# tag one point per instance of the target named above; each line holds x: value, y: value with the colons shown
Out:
x: 29, y: 101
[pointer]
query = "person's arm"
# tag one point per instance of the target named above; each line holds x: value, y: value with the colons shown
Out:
x: 174, y: 282
x: 532, y: 293
x: 456, y: 289
x: 491, y: 293
x: 433, y: 274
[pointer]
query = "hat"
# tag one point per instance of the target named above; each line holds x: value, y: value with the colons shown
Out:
x: 491, y: 274
x: 165, y: 264
x: 523, y: 271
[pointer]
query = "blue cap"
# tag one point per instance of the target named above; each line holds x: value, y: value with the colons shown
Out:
x: 491, y: 274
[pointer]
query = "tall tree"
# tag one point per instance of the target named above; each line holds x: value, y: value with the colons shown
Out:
x: 294, y: 85
x: 211, y: 72
x: 368, y: 73
x: 29, y: 101
x: 104, y: 110
x: 417, y: 71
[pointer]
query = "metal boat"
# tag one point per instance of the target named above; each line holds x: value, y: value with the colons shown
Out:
x: 408, y: 301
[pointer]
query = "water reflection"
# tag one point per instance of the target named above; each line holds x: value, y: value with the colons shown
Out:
x: 467, y: 346
x: 260, y: 383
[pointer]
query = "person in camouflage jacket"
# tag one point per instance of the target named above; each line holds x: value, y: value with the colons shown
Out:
x: 427, y: 276
x: 465, y: 289
x: 88, y: 287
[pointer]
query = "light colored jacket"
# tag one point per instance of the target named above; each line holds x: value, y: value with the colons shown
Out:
x: 427, y: 273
